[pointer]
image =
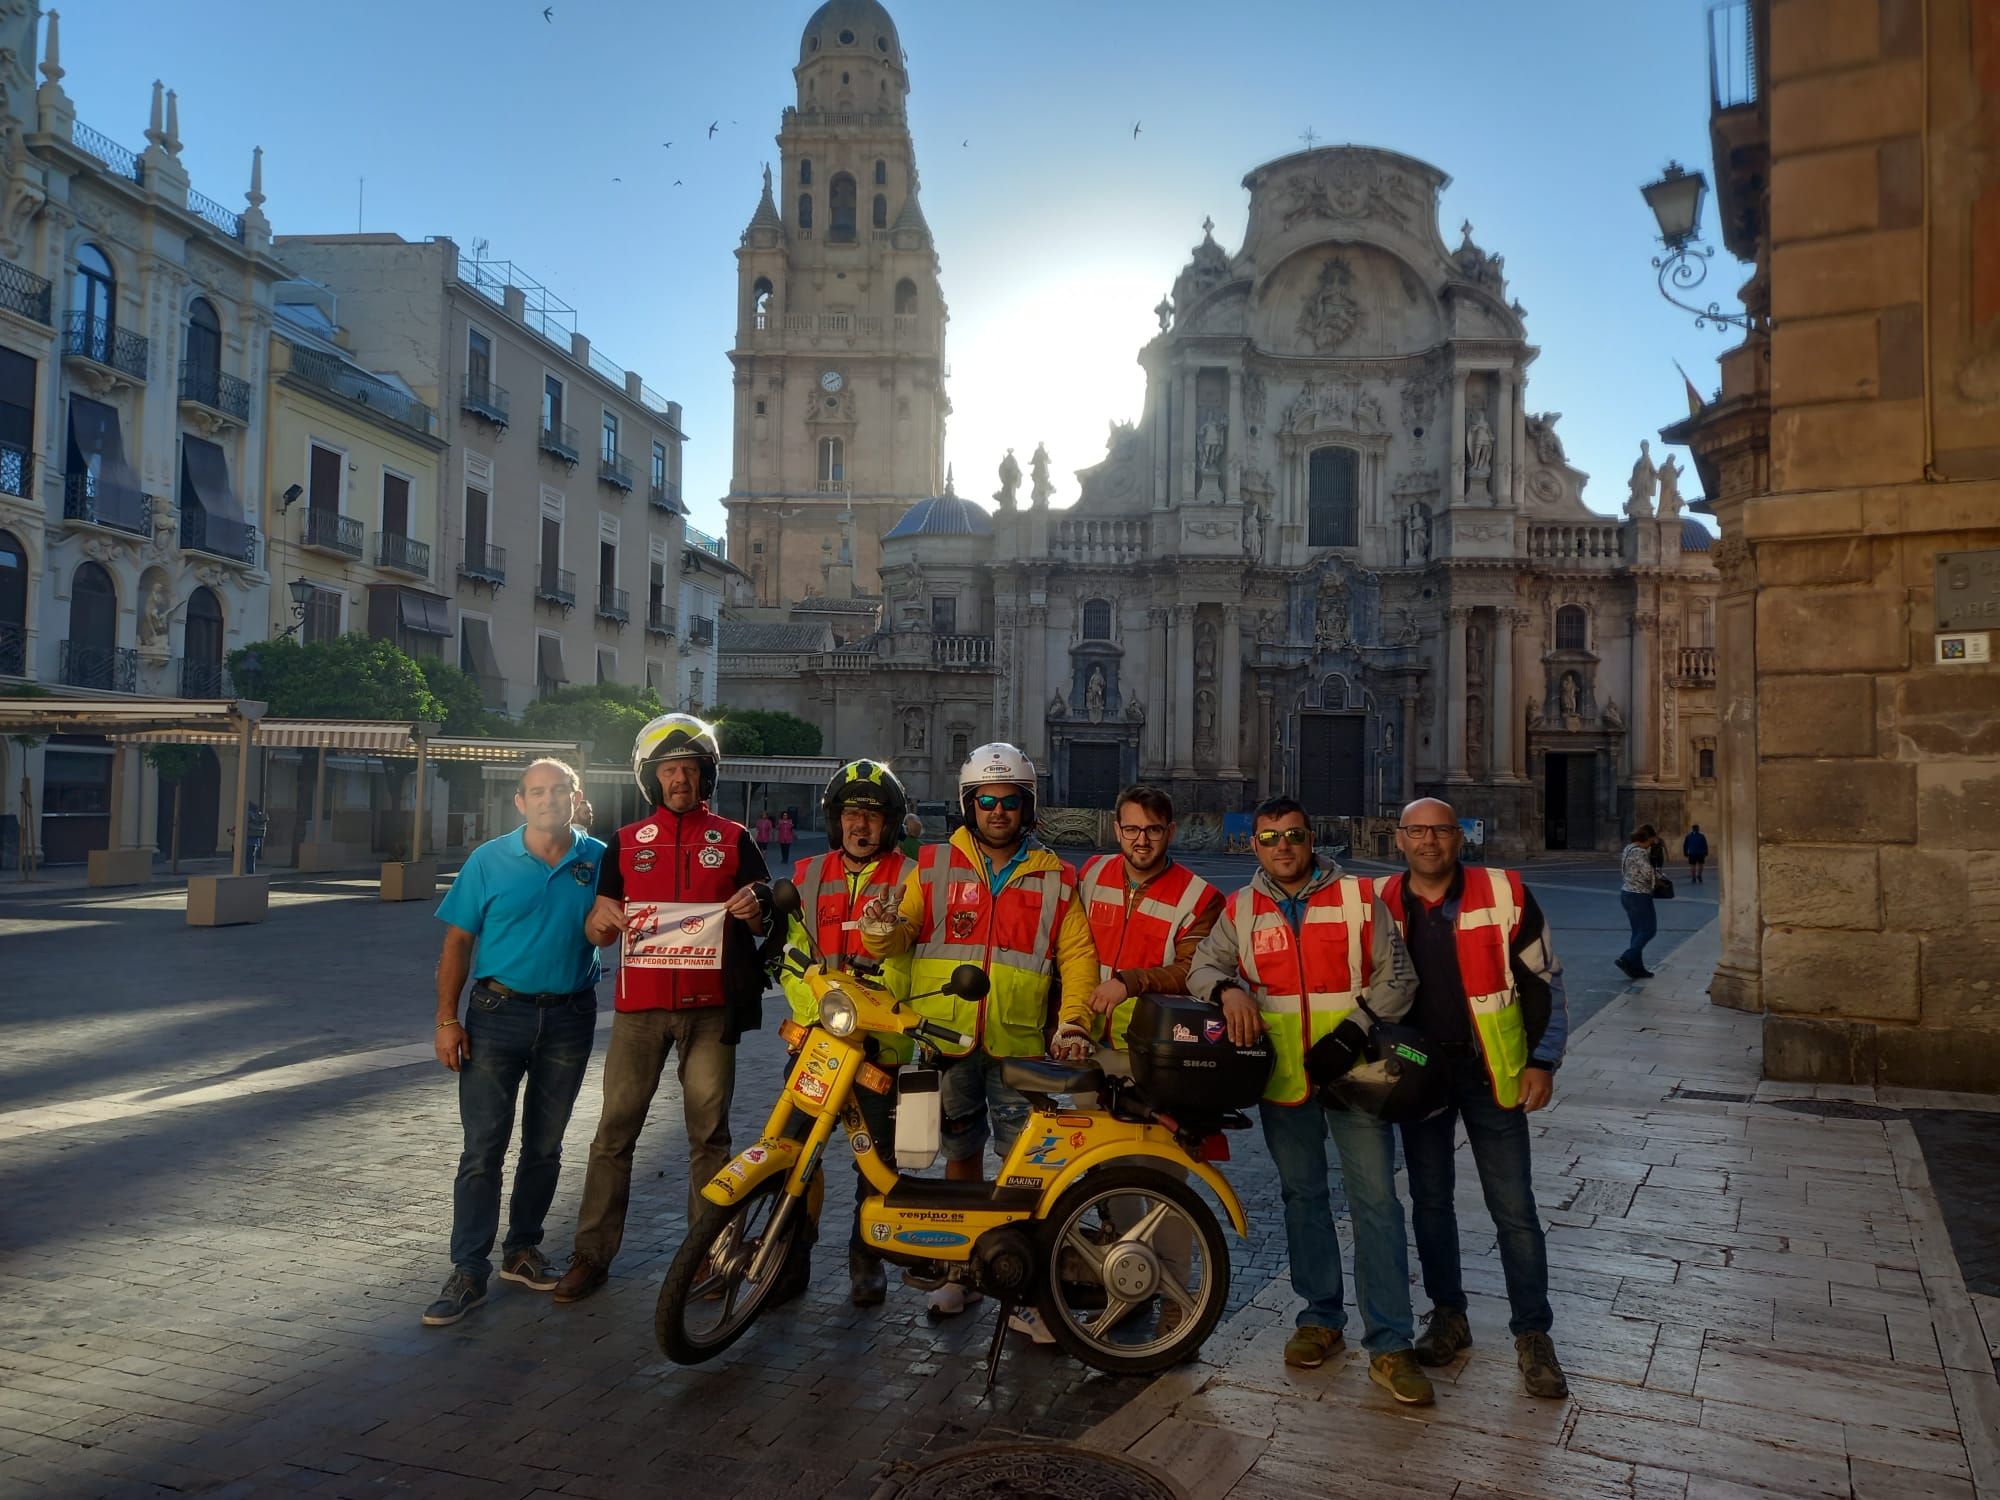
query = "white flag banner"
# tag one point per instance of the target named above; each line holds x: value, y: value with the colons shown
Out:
x: 673, y: 935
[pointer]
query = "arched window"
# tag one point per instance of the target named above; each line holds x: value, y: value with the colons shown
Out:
x: 1097, y: 620
x: 880, y: 216
x: 805, y: 172
x: 840, y: 209
x: 881, y: 174
x: 13, y: 606
x: 201, y: 649
x: 96, y: 303
x: 1333, y: 497
x: 806, y: 212
x: 760, y: 302
x: 89, y: 657
x: 906, y: 296
x: 204, y: 341
x: 832, y: 461
x: 1572, y: 628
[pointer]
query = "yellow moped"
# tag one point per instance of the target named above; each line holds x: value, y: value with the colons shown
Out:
x: 1092, y: 1219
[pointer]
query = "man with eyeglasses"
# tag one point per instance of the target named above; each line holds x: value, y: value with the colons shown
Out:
x: 1490, y: 998
x: 1294, y: 954
x: 991, y: 896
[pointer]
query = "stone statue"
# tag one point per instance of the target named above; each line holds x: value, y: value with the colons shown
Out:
x: 1165, y: 313
x: 1038, y: 466
x: 913, y: 732
x: 1204, y: 650
x: 1541, y: 430
x: 1134, y: 709
x: 1389, y: 739
x: 1534, y: 712
x: 1253, y: 533
x: 153, y: 619
x: 1613, y: 719
x: 1058, y: 706
x: 1204, y: 717
x: 1417, y: 533
x: 1670, y: 487
x: 1644, y: 476
x: 1267, y: 628
x: 1478, y: 446
x: 1569, y: 695
x: 1010, y: 481
x: 1475, y: 735
x: 1093, y: 695
x: 1212, y: 442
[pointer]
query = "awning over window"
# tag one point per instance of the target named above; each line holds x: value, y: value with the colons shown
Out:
x: 427, y: 614
x: 479, y: 646
x: 548, y: 659
x: 205, y: 470
x: 97, y: 454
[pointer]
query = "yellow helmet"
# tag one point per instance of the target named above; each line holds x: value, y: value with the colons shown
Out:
x: 675, y: 737
x: 864, y: 783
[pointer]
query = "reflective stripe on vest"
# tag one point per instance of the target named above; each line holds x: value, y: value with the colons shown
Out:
x: 824, y: 880
x: 1489, y: 919
x: 1010, y: 936
x: 1147, y: 938
x: 1304, y: 983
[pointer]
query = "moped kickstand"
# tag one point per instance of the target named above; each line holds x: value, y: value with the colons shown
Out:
x: 994, y: 1349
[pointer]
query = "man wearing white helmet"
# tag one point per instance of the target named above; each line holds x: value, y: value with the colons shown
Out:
x: 680, y: 888
x: 994, y: 897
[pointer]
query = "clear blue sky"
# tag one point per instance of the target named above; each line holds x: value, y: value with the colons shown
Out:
x: 1057, y: 230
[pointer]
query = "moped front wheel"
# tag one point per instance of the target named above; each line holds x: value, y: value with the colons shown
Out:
x: 709, y: 1299
x: 1135, y: 1272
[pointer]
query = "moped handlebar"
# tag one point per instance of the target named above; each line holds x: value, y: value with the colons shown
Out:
x: 943, y: 1035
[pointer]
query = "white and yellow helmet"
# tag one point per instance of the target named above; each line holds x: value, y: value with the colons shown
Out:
x: 999, y: 764
x: 675, y: 737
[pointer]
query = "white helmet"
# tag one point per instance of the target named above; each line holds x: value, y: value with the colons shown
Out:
x: 675, y: 737
x: 996, y: 764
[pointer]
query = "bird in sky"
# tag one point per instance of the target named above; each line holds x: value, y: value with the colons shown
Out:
x: 677, y: 182
x: 712, y: 124
x: 549, y: 14
x: 965, y: 143
x: 1135, y: 130
x: 617, y: 179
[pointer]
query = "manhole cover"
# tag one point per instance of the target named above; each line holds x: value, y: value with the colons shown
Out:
x: 1031, y: 1471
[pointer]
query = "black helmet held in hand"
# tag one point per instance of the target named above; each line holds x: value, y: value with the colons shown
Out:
x: 1384, y: 1070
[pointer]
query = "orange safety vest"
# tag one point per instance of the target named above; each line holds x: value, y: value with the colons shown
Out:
x: 825, y: 902
x: 1305, y: 983
x: 1489, y: 919
x: 1144, y: 938
x: 1011, y: 936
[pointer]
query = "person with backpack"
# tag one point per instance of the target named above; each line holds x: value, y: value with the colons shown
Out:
x: 1694, y: 849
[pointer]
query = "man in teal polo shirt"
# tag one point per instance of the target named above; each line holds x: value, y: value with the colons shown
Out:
x: 515, y: 919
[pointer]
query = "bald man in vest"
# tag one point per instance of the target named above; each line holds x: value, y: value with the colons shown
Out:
x: 1490, y: 998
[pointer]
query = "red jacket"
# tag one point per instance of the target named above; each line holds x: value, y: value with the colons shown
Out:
x: 694, y: 857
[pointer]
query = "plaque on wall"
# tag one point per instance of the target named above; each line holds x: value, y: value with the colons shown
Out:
x: 1968, y: 590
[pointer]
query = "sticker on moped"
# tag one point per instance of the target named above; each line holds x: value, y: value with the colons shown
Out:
x: 930, y: 1239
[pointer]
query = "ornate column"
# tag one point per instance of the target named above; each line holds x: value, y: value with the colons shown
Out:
x: 1267, y: 737
x: 1506, y: 396
x: 1455, y: 491
x: 1409, y: 790
x: 1187, y: 436
x: 1506, y: 766
x: 1034, y: 732
x: 1456, y: 619
x: 1229, y: 717
x: 1154, y: 751
x: 1169, y: 711
x: 1233, y: 447
x: 1518, y: 428
x: 1643, y: 717
x: 1184, y: 690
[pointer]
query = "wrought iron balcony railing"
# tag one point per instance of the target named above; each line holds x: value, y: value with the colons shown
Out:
x: 209, y: 211
x: 330, y: 531
x: 667, y: 497
x: 17, y: 469
x: 218, y: 536
x: 614, y: 471
x: 83, y: 501
x: 216, y: 389
x: 23, y: 292
x: 103, y: 342
x: 701, y: 630
x: 120, y: 159
x: 556, y: 586
x: 204, y: 679
x: 660, y: 620
x: 485, y: 400
x: 559, y: 441
x: 13, y: 651
x: 108, y: 669
x: 613, y: 604
x: 394, y: 550
x: 484, y: 562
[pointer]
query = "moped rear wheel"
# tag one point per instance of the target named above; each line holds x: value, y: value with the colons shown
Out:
x: 1135, y: 1272
x: 709, y: 1300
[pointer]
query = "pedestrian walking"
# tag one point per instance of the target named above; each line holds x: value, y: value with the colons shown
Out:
x: 913, y: 835
x: 1694, y: 849
x: 680, y: 885
x: 1656, y: 853
x: 255, y: 826
x: 764, y: 826
x: 1294, y: 953
x: 785, y: 831
x: 1637, y: 877
x: 1490, y: 1001
x: 514, y: 917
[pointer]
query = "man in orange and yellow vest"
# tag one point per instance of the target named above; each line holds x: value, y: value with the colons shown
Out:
x: 1295, y: 952
x: 1490, y: 999
x: 993, y: 897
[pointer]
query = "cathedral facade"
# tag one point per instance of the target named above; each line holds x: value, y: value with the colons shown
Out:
x: 1335, y: 556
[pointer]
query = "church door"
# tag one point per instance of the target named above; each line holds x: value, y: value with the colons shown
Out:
x: 1569, y: 800
x: 1332, y: 782
x: 1093, y: 775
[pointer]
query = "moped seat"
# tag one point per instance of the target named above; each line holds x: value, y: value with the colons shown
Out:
x: 1041, y: 1075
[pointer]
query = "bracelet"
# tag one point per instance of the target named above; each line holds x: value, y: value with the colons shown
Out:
x: 454, y: 1021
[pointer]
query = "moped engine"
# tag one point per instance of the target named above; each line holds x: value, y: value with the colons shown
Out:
x: 1003, y: 1263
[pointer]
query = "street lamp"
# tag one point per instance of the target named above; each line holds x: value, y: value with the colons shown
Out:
x: 1676, y: 202
x: 301, y: 589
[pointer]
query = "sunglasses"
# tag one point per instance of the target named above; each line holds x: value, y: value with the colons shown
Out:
x: 1270, y: 838
x: 986, y: 802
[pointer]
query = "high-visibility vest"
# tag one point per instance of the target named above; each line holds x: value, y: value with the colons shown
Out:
x: 1012, y: 936
x: 1147, y: 937
x: 834, y: 910
x: 1489, y: 919
x: 1305, y: 982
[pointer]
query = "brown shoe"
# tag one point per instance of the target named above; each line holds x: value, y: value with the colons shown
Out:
x: 1398, y: 1373
x: 1541, y: 1371
x: 1310, y: 1346
x: 583, y: 1277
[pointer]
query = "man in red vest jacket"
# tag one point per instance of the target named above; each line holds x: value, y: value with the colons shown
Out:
x: 680, y: 886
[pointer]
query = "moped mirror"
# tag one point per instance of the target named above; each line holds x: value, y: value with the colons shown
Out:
x: 784, y: 898
x: 969, y: 982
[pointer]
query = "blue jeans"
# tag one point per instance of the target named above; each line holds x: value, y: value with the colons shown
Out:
x: 977, y: 1107
x: 251, y: 849
x: 511, y: 1040
x: 1499, y: 1139
x: 1639, y: 911
x: 1297, y: 1136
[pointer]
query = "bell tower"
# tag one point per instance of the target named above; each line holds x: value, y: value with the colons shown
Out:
x: 839, y: 354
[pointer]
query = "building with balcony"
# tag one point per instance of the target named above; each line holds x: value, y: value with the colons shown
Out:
x: 1851, y: 460
x: 134, y: 322
x: 559, y: 471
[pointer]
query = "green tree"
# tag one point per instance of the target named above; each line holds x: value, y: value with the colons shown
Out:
x: 607, y: 714
x: 776, y: 732
x: 738, y: 736
x: 173, y: 764
x: 350, y: 677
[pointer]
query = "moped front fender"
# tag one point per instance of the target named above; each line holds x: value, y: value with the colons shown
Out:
x: 749, y: 1167
x: 1122, y: 1151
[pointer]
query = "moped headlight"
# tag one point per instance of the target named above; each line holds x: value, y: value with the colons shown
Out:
x: 838, y: 1015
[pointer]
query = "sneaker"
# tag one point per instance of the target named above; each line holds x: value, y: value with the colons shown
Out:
x: 1445, y: 1334
x: 949, y: 1300
x: 583, y: 1277
x: 1541, y: 1372
x: 530, y: 1268
x: 460, y: 1295
x: 867, y: 1282
x: 1626, y: 967
x: 1027, y: 1320
x: 1399, y: 1374
x: 1310, y: 1345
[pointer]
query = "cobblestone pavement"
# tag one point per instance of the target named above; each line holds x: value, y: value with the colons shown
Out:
x: 226, y: 1157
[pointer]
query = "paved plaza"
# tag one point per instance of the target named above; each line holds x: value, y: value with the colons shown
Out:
x: 227, y: 1154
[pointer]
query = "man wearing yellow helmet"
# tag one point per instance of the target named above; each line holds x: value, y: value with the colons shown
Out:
x: 864, y: 806
x: 680, y: 887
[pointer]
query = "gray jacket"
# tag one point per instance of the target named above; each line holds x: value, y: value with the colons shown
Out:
x: 1390, y: 992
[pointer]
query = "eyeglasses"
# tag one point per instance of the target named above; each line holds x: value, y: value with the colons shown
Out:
x: 986, y: 802
x: 1271, y: 837
x: 1143, y: 830
x: 1427, y: 833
